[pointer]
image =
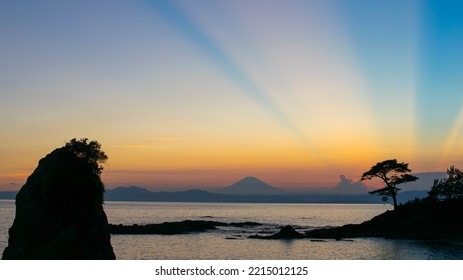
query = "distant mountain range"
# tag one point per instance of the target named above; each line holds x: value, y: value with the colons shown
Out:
x: 8, y: 195
x: 249, y: 189
x: 139, y: 194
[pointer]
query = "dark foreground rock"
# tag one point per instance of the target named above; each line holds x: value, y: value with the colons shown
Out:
x: 59, y: 212
x: 170, y: 228
x: 422, y: 219
x: 167, y: 228
x: 287, y: 232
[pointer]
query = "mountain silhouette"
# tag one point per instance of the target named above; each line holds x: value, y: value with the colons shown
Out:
x: 131, y: 193
x: 139, y: 194
x: 134, y: 193
x: 251, y: 186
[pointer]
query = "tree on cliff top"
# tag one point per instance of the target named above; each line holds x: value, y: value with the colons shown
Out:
x: 392, y: 173
x: 84, y: 161
x: 89, y: 152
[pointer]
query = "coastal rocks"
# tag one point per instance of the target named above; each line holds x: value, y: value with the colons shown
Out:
x: 421, y: 219
x: 287, y: 232
x: 167, y: 228
x: 59, y: 212
x: 189, y: 226
x: 170, y: 228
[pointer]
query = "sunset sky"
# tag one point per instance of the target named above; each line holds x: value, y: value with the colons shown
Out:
x: 203, y: 93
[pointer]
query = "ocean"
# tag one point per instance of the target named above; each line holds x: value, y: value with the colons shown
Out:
x: 227, y: 243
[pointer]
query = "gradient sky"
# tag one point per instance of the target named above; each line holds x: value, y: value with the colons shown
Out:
x: 202, y: 93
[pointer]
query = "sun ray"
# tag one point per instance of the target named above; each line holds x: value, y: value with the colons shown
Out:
x: 451, y: 141
x: 235, y: 72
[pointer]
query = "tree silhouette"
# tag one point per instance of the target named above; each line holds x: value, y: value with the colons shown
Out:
x: 85, y: 157
x: 89, y: 153
x: 450, y: 187
x: 392, y: 173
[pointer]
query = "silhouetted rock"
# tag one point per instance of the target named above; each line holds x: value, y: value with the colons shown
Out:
x: 170, y: 228
x: 59, y: 212
x: 167, y: 228
x: 287, y: 232
x: 421, y: 219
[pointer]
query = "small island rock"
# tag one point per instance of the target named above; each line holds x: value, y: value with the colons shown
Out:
x: 59, y: 211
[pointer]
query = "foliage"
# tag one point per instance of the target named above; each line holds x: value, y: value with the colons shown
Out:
x: 448, y: 188
x: 88, y: 152
x: 391, y: 173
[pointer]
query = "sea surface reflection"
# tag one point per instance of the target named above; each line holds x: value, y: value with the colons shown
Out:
x: 233, y: 243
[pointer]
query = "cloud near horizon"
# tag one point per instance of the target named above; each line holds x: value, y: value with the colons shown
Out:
x: 347, y: 186
x: 425, y: 181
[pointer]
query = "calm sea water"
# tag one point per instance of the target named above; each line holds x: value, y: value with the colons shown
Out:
x: 232, y: 242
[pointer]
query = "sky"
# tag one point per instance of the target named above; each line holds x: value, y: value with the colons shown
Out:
x: 203, y: 93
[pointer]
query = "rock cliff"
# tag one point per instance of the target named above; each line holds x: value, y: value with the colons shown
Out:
x: 59, y: 211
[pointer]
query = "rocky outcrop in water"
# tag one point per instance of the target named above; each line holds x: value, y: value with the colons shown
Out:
x: 167, y: 228
x: 170, y: 228
x: 59, y: 212
x: 287, y: 232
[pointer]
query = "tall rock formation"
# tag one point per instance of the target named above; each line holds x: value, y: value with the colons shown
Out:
x: 59, y: 211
